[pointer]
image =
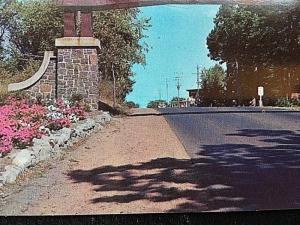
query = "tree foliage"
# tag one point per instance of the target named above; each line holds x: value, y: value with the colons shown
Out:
x: 30, y: 28
x: 212, y: 86
x: 256, y: 35
x: 260, y: 46
x: 120, y: 33
x: 175, y: 99
x: 156, y: 104
x: 132, y: 104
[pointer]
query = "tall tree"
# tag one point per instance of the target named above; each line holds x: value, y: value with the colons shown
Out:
x: 254, y: 40
x: 32, y: 29
x: 212, y: 86
x: 125, y: 48
x: 5, y: 19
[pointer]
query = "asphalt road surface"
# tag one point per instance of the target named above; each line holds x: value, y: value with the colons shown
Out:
x: 250, y: 158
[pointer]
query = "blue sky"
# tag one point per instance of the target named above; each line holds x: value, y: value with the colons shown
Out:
x: 178, y: 43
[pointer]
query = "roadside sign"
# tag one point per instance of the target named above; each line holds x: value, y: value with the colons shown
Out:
x: 260, y: 91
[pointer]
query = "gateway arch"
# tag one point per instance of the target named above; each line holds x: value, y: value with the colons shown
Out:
x: 87, y: 6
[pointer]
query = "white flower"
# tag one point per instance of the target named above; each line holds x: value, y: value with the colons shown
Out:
x: 51, y: 108
x: 73, y: 118
x: 42, y: 128
x: 67, y: 103
x: 54, y: 115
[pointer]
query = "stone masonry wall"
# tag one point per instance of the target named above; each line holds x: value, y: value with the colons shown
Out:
x: 46, y: 86
x: 77, y: 73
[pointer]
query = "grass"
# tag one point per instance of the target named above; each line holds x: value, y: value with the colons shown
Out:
x: 3, y: 89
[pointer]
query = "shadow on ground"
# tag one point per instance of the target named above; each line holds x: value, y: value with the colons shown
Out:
x: 224, y: 177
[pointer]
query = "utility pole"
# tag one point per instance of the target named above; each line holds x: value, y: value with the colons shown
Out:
x: 167, y: 89
x: 159, y: 93
x: 114, y: 88
x: 159, y: 90
x: 198, y: 80
x: 178, y: 85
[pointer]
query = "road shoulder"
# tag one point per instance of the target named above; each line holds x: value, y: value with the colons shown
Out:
x: 127, y: 143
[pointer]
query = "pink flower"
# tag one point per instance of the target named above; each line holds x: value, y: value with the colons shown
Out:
x: 20, y: 121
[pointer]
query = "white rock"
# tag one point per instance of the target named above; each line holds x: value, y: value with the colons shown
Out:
x: 42, y: 142
x: 23, y: 159
x: 56, y: 148
x: 84, y: 127
x: 41, y: 148
x: 107, y: 116
x: 62, y: 136
x: 11, y: 173
x: 89, y: 124
x: 103, y: 118
x: 99, y: 119
x: 41, y: 153
x: 98, y: 127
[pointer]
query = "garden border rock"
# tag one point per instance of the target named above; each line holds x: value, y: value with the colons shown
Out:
x: 51, y: 144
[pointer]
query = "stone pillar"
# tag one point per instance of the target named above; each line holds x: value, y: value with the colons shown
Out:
x: 77, y: 69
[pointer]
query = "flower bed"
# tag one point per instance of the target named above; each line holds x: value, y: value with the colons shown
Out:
x: 48, y: 146
x: 23, y: 120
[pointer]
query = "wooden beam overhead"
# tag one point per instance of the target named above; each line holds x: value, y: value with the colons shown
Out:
x: 93, y: 5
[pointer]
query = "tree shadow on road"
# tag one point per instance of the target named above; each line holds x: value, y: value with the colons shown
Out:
x: 229, y: 176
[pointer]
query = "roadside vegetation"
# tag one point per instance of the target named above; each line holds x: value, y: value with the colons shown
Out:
x: 131, y: 104
x: 22, y: 120
x: 260, y: 46
x: 156, y: 104
x: 212, y: 87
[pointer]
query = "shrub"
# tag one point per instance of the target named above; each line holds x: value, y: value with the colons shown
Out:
x: 76, y: 99
x: 132, y: 104
x: 286, y: 102
x: 57, y: 124
x: 20, y: 123
x: 3, y: 93
x: 295, y: 102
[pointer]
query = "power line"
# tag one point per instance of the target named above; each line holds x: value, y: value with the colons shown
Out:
x: 178, y: 86
x: 167, y: 89
x: 198, y: 80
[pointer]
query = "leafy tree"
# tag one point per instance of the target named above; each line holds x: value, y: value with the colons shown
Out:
x: 255, y: 35
x: 32, y: 29
x: 132, y: 104
x: 175, y: 99
x: 260, y: 46
x: 125, y: 48
x: 212, y: 86
x: 5, y: 15
x: 156, y: 103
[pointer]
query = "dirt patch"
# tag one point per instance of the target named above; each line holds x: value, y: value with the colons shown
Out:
x: 107, y: 173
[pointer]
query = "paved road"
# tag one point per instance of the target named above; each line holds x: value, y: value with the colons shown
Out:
x: 250, y: 159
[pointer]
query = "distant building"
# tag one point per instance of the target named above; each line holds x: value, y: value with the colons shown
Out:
x: 192, y: 92
x: 295, y: 96
x: 182, y: 104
